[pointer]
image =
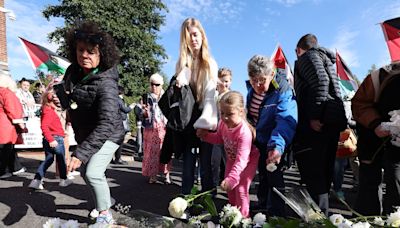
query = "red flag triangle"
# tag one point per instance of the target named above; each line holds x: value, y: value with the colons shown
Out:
x: 391, y: 29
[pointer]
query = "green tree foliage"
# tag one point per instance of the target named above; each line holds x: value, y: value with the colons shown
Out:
x: 133, y: 24
x: 373, y: 67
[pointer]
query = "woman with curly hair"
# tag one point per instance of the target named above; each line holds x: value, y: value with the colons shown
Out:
x: 91, y: 86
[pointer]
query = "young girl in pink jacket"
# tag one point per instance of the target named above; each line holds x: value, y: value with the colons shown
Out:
x: 237, y: 135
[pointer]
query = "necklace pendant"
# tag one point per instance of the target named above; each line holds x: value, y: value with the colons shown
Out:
x: 73, y: 105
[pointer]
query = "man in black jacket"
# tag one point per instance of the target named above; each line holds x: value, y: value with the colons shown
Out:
x: 316, y: 141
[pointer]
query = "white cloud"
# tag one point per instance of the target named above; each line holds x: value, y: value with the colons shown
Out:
x: 343, y: 42
x: 225, y: 11
x: 31, y: 25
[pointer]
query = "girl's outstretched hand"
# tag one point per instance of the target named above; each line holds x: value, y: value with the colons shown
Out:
x: 225, y: 186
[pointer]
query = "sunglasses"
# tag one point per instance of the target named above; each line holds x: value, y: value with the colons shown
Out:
x: 88, y: 37
x: 155, y: 84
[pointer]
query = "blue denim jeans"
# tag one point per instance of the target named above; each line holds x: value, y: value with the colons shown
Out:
x: 338, y: 175
x: 189, y: 165
x: 59, y: 152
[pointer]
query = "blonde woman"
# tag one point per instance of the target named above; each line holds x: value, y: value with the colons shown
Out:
x: 196, y: 68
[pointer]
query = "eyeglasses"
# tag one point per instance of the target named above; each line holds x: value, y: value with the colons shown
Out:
x: 258, y: 80
x: 155, y: 84
x: 88, y: 37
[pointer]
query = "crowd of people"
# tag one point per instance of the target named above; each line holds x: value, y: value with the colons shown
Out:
x: 199, y: 118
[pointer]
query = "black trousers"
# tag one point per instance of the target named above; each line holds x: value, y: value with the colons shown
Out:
x: 8, y: 159
x: 315, y: 156
x: 369, y: 198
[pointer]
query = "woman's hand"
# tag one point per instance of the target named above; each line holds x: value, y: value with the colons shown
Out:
x: 316, y: 125
x: 53, y: 144
x: 74, y: 163
x: 225, y: 186
x: 201, y: 133
x: 183, y: 77
x: 381, y: 132
x: 274, y: 157
x: 146, y: 111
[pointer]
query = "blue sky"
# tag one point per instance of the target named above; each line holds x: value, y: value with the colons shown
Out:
x: 239, y: 29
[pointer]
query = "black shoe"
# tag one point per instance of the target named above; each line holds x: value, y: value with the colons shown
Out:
x: 119, y: 162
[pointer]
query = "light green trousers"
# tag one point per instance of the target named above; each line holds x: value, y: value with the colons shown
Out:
x: 94, y: 174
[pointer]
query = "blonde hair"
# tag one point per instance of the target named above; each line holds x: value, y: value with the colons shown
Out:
x: 203, y: 72
x: 7, y: 82
x: 235, y: 99
x: 224, y: 71
x: 45, y: 99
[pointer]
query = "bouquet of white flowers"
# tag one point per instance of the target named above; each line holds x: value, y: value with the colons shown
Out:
x: 393, y: 126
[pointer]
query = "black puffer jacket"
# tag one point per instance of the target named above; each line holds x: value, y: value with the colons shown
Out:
x: 97, y: 117
x: 312, y: 84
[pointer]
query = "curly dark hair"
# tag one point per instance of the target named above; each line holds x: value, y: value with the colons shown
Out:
x: 90, y: 33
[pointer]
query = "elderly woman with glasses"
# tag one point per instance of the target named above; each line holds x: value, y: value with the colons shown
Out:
x: 91, y: 89
x: 272, y: 110
x: 154, y: 123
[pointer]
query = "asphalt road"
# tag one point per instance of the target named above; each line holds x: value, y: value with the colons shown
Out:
x: 22, y: 207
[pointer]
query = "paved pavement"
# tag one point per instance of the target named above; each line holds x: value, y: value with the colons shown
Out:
x: 22, y: 207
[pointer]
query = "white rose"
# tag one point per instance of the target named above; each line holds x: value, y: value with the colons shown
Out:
x: 336, y: 219
x: 271, y: 167
x: 259, y: 219
x: 177, y: 207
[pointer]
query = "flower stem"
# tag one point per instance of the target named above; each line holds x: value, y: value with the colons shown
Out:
x: 200, y: 194
x: 385, y: 140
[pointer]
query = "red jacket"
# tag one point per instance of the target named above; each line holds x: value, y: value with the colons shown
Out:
x: 10, y: 113
x: 50, y: 124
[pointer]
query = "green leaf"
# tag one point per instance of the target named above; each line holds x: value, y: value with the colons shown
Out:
x: 195, y: 190
x: 209, y: 204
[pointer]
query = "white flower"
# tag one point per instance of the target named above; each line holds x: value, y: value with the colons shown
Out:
x: 246, y: 223
x: 177, y: 207
x: 336, y: 219
x: 271, y: 167
x: 361, y: 225
x: 52, y: 223
x: 211, y: 225
x: 312, y: 215
x: 230, y: 215
x: 100, y: 225
x: 259, y: 219
x: 394, y: 219
x: 346, y: 224
x: 70, y: 224
x: 378, y: 221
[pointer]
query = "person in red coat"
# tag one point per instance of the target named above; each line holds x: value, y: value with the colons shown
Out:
x: 10, y: 119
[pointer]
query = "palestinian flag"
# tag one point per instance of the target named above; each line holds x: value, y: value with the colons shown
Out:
x: 391, y: 29
x: 282, y: 65
x: 347, y: 81
x: 44, y: 59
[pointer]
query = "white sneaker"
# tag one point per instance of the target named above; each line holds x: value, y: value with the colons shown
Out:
x: 22, y: 170
x: 94, y: 214
x: 65, y: 182
x: 74, y: 173
x: 36, y: 184
x: 5, y: 175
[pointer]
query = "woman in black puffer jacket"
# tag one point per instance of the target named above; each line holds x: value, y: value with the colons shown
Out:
x: 91, y: 84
